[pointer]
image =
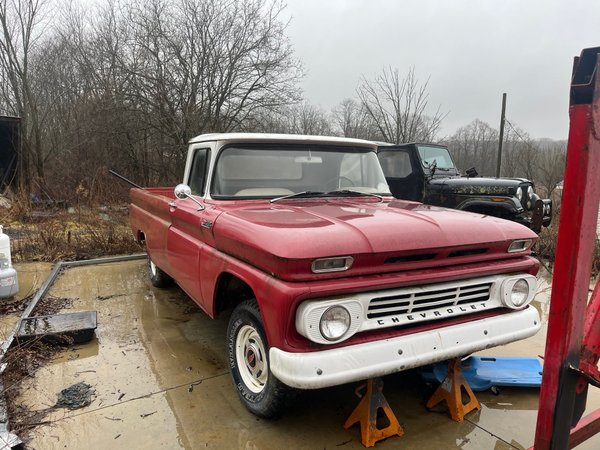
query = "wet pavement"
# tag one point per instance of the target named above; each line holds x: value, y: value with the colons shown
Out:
x: 31, y: 276
x: 159, y: 372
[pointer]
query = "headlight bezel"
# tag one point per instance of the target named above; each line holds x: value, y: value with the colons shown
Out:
x: 508, y: 290
x: 309, y: 313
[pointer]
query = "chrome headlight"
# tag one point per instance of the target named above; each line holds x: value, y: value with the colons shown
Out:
x: 519, y: 194
x: 334, y: 323
x: 529, y: 196
x: 519, y: 291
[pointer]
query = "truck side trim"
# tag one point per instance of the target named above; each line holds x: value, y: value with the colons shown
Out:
x: 358, y: 362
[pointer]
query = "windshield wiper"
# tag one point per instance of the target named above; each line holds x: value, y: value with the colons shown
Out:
x: 350, y: 192
x: 298, y: 194
x: 340, y: 192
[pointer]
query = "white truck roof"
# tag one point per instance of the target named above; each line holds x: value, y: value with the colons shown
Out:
x: 274, y: 138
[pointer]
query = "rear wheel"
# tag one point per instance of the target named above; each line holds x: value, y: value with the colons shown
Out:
x: 158, y: 278
x: 248, y: 353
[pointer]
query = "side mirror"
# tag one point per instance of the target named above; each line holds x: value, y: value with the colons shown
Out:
x: 182, y: 191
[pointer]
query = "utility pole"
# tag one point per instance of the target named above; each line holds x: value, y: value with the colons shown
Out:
x: 499, y: 163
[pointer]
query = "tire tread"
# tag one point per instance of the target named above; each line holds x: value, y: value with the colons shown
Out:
x: 272, y: 401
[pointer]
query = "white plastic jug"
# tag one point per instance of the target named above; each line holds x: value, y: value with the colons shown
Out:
x: 9, y: 284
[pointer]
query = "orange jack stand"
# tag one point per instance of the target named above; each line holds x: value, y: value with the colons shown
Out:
x: 451, y: 391
x: 366, y: 413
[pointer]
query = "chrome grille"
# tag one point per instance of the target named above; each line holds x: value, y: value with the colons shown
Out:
x: 430, y: 298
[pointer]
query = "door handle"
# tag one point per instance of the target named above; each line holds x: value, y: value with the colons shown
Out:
x: 172, y: 204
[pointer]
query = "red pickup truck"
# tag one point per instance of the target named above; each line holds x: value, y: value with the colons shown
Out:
x: 329, y: 278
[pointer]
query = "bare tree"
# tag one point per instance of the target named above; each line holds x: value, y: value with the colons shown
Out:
x: 474, y: 145
x: 205, y: 66
x: 129, y: 82
x: 308, y: 119
x: 353, y: 120
x: 398, y: 106
x: 520, y: 153
x: 21, y: 23
x: 302, y: 118
x: 551, y: 164
x: 90, y: 125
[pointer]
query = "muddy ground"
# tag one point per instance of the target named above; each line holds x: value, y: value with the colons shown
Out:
x: 158, y: 370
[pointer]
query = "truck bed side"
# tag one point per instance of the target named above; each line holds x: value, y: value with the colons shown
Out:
x: 150, y: 221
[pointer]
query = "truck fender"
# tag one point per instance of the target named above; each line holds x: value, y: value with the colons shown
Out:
x: 230, y: 289
x: 228, y: 281
x: 237, y: 284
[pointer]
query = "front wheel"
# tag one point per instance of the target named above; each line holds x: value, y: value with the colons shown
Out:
x: 248, y: 353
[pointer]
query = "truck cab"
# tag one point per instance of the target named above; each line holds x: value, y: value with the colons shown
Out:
x: 426, y: 173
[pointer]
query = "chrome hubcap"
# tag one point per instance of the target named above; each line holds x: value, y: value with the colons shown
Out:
x: 251, y: 359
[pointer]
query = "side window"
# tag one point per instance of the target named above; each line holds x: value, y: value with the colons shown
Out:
x: 197, y: 179
x: 395, y: 163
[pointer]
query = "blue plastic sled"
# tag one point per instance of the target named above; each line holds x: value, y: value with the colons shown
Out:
x: 483, y: 372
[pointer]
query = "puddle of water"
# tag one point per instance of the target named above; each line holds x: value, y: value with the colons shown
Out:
x: 140, y: 348
x: 31, y: 276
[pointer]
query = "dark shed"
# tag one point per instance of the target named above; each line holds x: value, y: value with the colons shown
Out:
x: 9, y: 148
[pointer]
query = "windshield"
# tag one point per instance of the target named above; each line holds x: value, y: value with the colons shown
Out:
x: 274, y: 171
x: 438, y: 155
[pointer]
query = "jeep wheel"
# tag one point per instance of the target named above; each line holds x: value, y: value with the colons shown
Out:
x: 158, y: 278
x: 248, y: 353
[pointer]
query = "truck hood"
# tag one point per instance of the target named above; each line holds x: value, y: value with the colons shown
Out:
x: 478, y: 185
x: 271, y: 235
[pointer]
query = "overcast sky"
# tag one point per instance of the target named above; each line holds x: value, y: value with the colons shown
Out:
x: 471, y: 50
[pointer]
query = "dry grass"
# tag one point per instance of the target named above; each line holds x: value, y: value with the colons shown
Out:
x: 59, y: 234
x: 545, y: 247
x: 24, y: 360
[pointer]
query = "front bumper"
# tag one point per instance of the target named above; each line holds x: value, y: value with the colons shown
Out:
x: 341, y: 365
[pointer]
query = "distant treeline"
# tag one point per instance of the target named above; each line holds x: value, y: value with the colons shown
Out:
x: 124, y: 84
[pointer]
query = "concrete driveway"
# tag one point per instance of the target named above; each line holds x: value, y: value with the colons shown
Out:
x: 159, y: 370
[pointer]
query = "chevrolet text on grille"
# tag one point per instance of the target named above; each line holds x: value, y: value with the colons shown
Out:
x: 397, y: 320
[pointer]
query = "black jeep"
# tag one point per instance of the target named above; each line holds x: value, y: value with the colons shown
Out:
x: 426, y: 173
